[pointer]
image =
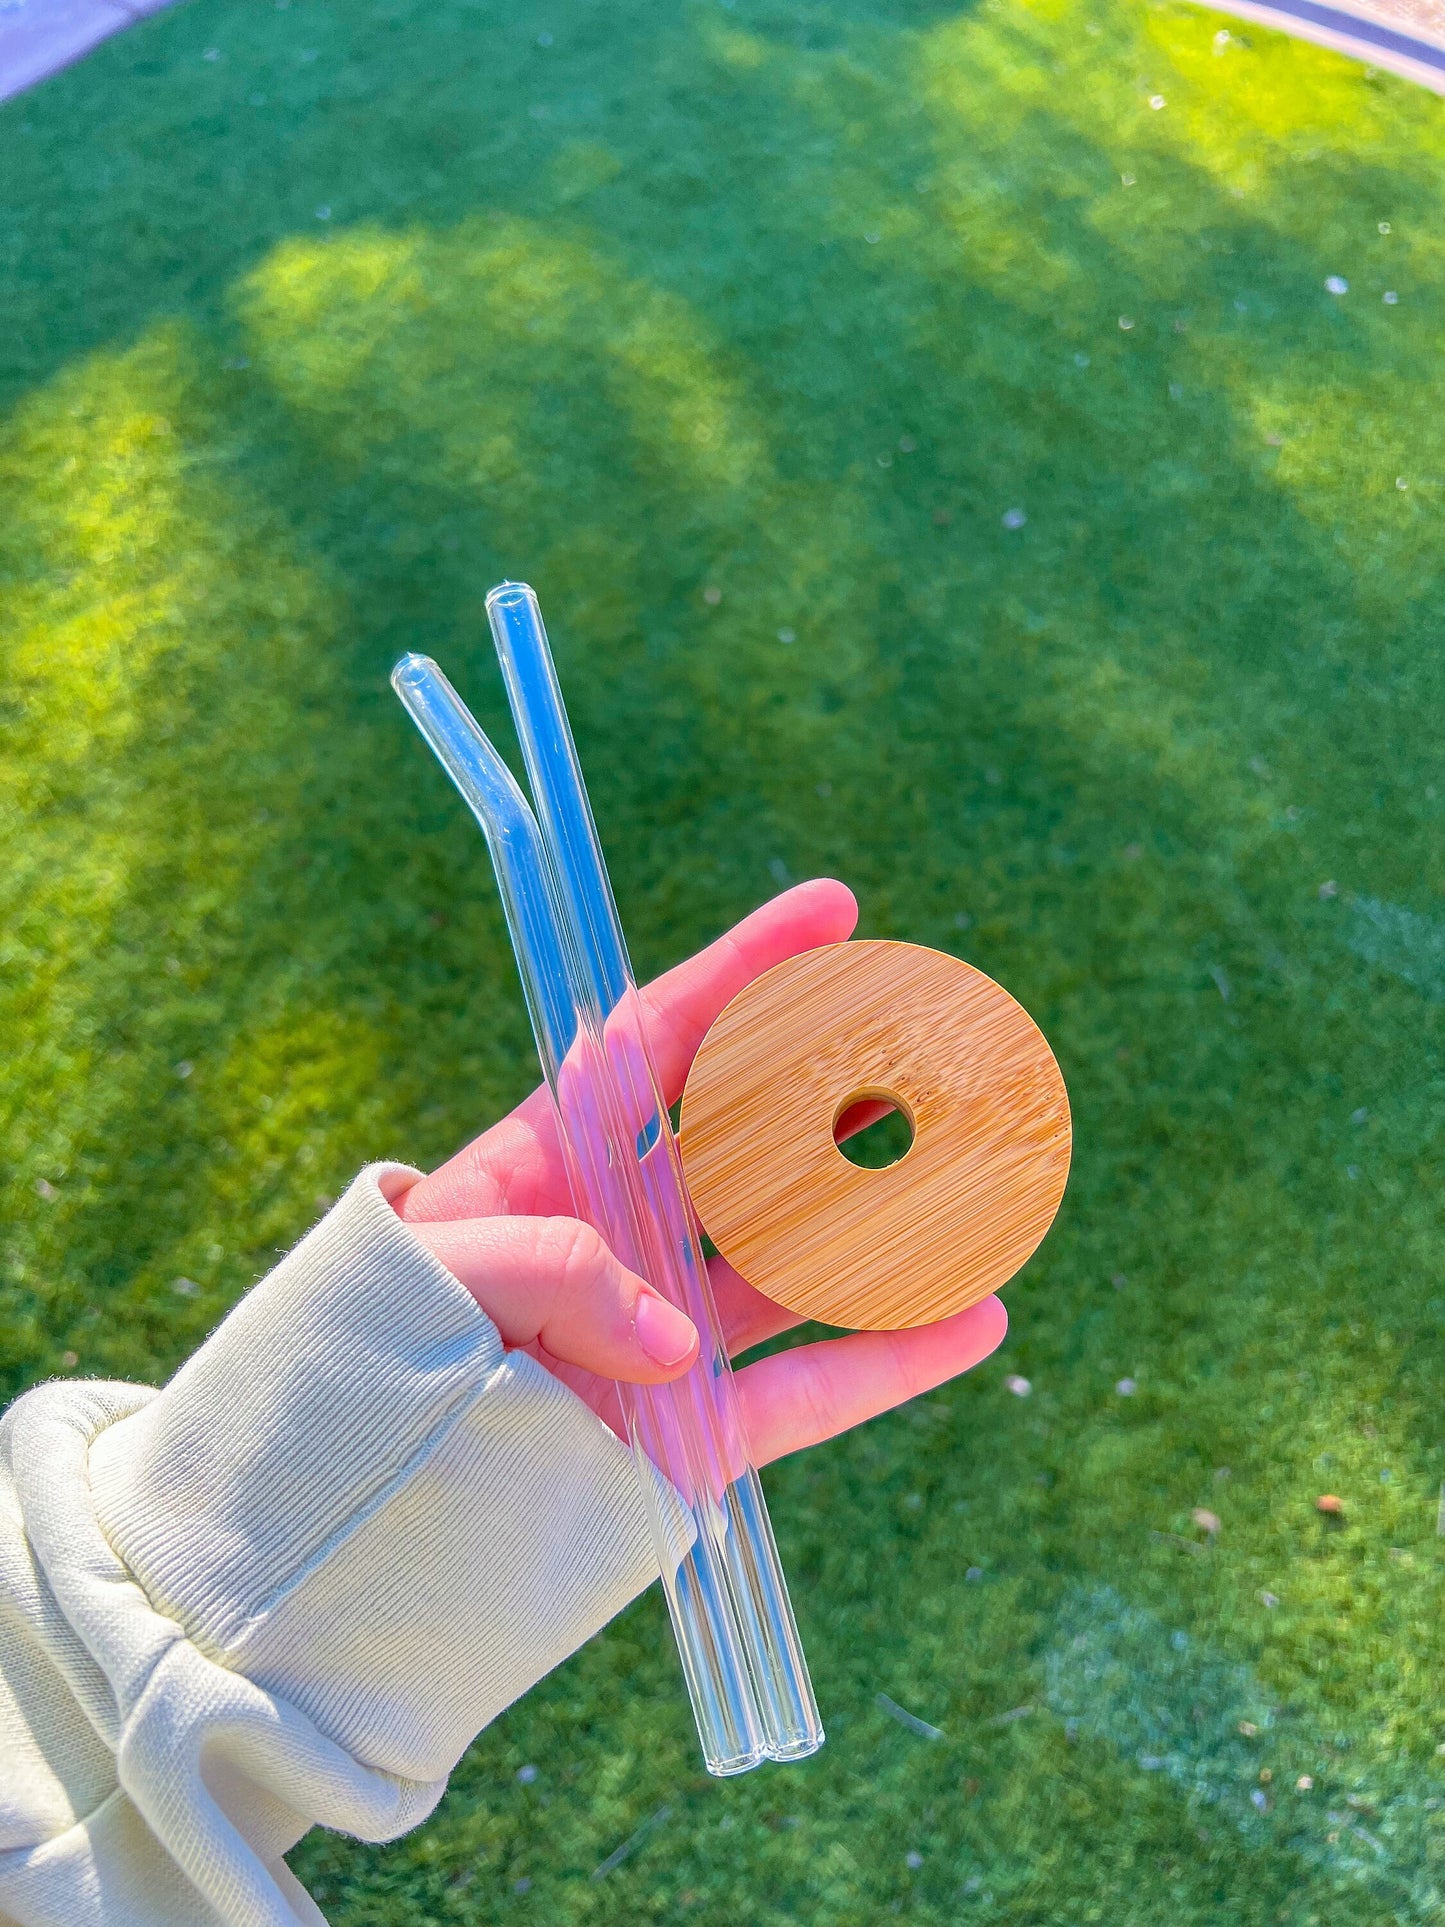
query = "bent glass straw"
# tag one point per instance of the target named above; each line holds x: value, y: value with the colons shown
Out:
x: 741, y: 1656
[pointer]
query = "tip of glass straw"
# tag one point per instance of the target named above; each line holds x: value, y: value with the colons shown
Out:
x: 411, y: 670
x: 510, y: 595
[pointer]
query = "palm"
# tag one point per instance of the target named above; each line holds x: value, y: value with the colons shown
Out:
x: 515, y: 1169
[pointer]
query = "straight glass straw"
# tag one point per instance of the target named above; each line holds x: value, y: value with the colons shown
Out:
x: 728, y: 1597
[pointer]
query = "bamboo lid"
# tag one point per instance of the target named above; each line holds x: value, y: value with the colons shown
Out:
x: 964, y: 1207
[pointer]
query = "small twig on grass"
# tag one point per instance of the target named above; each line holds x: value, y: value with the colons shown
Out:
x: 631, y: 1844
x: 1173, y: 1539
x: 910, y: 1720
x: 1015, y: 1713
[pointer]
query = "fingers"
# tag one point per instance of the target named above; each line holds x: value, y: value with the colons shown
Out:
x: 517, y: 1165
x: 797, y: 1398
x: 682, y: 1005
x: 553, y: 1282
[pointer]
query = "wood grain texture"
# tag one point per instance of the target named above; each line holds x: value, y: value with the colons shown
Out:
x: 963, y: 1208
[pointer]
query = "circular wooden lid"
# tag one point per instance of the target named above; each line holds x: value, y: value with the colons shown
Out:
x: 959, y: 1212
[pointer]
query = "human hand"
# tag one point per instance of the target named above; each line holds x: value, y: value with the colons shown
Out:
x: 498, y: 1216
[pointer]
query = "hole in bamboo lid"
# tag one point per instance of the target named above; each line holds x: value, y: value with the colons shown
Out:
x: 873, y: 1129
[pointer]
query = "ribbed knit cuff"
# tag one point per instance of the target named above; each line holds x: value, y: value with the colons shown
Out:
x: 354, y: 1496
x: 294, y: 1419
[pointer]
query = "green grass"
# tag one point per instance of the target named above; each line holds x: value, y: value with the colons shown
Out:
x: 794, y: 303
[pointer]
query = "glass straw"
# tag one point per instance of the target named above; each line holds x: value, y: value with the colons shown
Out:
x: 739, y: 1645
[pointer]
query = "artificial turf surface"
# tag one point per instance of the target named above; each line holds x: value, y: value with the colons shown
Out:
x: 943, y: 464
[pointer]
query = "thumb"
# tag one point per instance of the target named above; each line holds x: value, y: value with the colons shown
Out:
x: 553, y: 1280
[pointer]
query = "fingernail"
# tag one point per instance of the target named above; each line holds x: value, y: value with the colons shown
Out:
x: 666, y: 1334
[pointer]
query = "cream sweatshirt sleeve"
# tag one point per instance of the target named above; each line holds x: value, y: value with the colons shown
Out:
x: 289, y: 1587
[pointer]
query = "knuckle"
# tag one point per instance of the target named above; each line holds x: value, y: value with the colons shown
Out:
x: 575, y: 1252
x: 816, y: 1402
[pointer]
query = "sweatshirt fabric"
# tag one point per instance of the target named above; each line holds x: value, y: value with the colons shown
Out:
x: 290, y: 1587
